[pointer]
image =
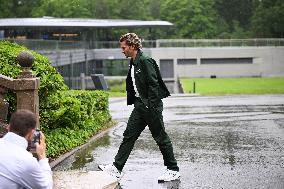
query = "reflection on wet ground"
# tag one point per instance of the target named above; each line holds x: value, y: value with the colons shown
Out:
x: 229, y: 142
x: 83, y: 156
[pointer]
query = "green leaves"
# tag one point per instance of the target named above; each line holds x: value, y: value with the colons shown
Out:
x: 62, y: 9
x: 18, y: 8
x: 192, y: 18
x: 268, y: 19
x: 68, y: 118
x: 72, y: 117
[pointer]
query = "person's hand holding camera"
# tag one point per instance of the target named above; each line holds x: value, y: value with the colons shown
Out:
x: 41, y: 147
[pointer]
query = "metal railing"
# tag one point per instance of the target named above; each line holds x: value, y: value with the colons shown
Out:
x: 40, y: 45
x: 220, y: 42
x: 115, y: 44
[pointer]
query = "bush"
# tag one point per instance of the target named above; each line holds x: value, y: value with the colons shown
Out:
x: 76, y: 116
x: 68, y: 118
x: 50, y: 81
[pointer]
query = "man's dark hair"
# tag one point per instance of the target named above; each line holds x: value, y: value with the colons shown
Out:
x: 22, y: 121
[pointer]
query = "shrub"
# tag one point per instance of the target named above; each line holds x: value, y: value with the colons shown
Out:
x: 77, y: 115
x: 50, y: 81
x: 68, y: 118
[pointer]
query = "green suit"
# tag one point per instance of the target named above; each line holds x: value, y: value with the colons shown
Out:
x: 147, y: 110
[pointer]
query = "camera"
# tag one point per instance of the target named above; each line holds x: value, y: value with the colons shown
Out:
x: 35, y: 139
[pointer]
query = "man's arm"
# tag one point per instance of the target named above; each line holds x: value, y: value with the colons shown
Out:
x: 152, y: 79
x: 39, y: 174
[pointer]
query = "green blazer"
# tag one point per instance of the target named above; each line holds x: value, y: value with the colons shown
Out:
x: 148, y: 80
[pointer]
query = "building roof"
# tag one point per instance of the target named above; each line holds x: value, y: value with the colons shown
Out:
x: 78, y: 22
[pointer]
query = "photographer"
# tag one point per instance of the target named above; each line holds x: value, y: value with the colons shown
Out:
x: 18, y: 167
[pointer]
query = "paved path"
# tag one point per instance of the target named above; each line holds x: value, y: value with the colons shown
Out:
x: 219, y: 142
x: 83, y: 179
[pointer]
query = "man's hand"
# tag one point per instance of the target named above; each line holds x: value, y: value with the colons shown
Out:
x: 41, y: 148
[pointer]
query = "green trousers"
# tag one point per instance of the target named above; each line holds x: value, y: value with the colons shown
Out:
x: 138, y: 120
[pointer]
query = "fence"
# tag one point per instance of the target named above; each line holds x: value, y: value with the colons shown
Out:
x: 50, y: 45
x: 198, y: 43
x: 219, y: 42
x: 43, y: 45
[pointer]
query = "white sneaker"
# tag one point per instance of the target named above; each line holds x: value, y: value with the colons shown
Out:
x: 169, y: 175
x: 111, y: 170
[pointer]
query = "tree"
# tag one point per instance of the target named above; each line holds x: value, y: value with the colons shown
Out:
x: 137, y: 10
x: 155, y: 9
x: 192, y: 18
x: 233, y: 11
x: 268, y: 19
x: 62, y: 9
x: 102, y: 9
x: 17, y: 8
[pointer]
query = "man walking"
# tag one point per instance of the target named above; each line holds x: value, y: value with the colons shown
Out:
x: 145, y: 89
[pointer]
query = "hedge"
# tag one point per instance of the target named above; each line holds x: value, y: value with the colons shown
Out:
x: 68, y: 118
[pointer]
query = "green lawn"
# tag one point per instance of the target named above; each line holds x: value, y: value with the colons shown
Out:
x: 226, y: 86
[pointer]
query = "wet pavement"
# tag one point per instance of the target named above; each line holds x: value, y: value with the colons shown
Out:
x: 219, y: 142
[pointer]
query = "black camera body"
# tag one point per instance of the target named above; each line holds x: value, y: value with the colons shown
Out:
x: 35, y: 139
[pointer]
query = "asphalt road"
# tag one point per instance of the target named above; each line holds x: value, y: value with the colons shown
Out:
x: 219, y: 142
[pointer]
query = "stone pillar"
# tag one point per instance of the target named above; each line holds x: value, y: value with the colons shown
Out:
x: 26, y: 85
x: 4, y: 105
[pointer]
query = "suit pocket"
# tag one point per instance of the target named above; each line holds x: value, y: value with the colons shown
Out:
x: 158, y: 108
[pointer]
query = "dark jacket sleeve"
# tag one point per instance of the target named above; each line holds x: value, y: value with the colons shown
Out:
x: 152, y: 81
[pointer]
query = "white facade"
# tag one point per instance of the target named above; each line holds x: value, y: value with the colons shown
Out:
x: 262, y: 61
x: 266, y: 61
x: 190, y: 62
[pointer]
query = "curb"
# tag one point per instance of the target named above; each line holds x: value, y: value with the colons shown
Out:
x: 66, y: 155
x: 119, y: 99
x: 184, y: 95
x: 116, y: 99
x: 84, y: 179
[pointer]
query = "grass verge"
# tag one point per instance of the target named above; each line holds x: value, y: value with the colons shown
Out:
x: 228, y: 86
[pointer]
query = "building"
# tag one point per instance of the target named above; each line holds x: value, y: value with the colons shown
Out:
x: 88, y: 52
x: 72, y: 29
